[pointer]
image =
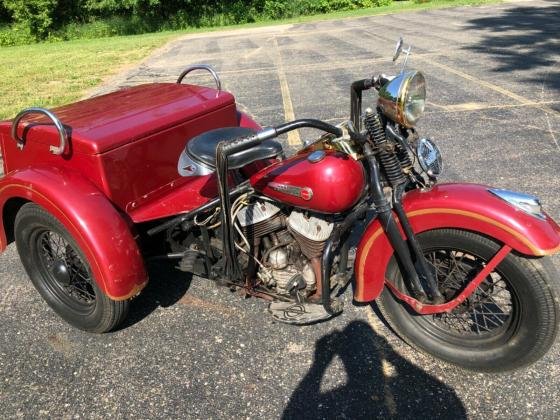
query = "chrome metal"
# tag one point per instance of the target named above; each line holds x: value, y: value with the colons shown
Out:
x: 392, y: 97
x: 398, y: 49
x: 305, y: 193
x: 189, y: 167
x: 267, y: 133
x: 316, y: 156
x: 206, y: 67
x: 278, y: 259
x: 524, y: 202
x: 429, y: 157
x: 407, y: 51
x: 63, y: 135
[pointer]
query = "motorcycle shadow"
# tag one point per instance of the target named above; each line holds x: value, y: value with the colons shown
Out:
x: 166, y: 287
x: 379, y: 382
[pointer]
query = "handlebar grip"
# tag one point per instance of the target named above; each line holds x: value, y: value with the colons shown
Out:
x: 237, y: 145
x: 243, y: 143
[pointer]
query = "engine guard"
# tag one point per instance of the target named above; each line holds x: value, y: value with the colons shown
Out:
x: 461, y: 206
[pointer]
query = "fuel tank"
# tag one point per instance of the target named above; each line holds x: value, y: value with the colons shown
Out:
x: 325, y: 182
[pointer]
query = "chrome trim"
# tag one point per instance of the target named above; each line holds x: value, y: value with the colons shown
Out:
x: 189, y: 167
x: 206, y: 67
x: 429, y: 157
x: 524, y: 202
x: 266, y: 133
x: 391, y: 98
x: 63, y: 135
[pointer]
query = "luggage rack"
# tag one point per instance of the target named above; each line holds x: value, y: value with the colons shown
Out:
x: 63, y: 135
x: 206, y: 67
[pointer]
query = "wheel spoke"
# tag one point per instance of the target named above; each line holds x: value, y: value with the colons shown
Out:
x: 53, y: 248
x: 486, y: 311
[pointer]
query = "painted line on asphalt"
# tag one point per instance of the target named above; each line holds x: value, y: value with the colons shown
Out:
x: 293, y: 136
x: 473, y: 106
x: 522, y: 100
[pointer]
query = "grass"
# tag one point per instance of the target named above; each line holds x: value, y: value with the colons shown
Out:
x: 395, y: 7
x: 51, y: 74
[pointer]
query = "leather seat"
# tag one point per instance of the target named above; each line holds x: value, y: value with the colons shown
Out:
x: 202, y: 148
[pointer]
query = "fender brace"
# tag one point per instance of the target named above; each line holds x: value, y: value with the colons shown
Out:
x: 424, y: 309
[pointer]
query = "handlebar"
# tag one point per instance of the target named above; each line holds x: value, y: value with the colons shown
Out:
x: 244, y: 143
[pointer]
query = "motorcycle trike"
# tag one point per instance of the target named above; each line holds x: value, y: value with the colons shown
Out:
x: 92, y: 191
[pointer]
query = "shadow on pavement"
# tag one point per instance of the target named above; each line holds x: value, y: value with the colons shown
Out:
x: 523, y: 38
x: 379, y: 383
x: 166, y: 287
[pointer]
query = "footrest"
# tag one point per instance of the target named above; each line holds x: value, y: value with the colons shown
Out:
x: 298, y: 313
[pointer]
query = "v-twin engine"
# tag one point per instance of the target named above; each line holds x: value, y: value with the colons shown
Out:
x: 287, y: 244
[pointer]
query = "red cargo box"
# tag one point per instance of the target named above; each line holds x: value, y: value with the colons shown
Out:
x: 127, y: 142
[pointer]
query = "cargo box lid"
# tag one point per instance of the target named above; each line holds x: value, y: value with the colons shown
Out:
x: 103, y: 123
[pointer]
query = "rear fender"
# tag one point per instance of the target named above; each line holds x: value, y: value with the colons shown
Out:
x: 100, y: 230
x: 463, y: 206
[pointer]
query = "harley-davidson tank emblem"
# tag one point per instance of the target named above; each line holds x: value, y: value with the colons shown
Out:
x: 305, y: 193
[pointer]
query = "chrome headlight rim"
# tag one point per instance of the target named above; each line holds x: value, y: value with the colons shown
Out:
x: 392, y: 97
x: 434, y: 165
x: 526, y: 203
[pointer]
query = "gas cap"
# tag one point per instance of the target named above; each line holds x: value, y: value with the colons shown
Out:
x: 316, y: 156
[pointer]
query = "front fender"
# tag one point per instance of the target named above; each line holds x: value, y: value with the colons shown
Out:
x: 100, y: 230
x: 462, y: 206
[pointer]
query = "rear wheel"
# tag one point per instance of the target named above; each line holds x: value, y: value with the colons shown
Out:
x: 60, y: 272
x: 510, y: 320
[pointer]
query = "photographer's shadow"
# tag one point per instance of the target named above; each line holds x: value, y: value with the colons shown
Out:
x: 379, y: 384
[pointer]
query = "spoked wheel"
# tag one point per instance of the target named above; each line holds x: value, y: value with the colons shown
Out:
x: 488, y: 312
x: 61, y: 274
x: 510, y: 320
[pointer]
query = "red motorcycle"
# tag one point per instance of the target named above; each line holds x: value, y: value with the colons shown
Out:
x: 176, y: 171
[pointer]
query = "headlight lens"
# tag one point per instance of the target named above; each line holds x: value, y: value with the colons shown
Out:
x: 403, y: 99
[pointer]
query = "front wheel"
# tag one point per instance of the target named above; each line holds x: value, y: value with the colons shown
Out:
x: 61, y: 274
x: 509, y: 321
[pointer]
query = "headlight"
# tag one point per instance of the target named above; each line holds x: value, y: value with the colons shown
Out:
x: 403, y: 99
x: 429, y: 157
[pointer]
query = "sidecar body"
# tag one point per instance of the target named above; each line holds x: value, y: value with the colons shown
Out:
x: 117, y: 169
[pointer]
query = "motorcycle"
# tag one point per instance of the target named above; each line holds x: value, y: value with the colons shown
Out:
x: 459, y: 271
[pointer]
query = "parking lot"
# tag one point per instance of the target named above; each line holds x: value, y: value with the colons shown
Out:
x: 193, y: 350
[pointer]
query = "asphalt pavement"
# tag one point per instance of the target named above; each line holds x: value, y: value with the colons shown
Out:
x: 192, y: 350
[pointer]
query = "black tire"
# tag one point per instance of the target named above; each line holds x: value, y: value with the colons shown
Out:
x: 485, y: 333
x: 61, y: 274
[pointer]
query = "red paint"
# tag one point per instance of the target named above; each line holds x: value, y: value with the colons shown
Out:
x: 109, y: 121
x: 99, y: 229
x: 151, y: 126
x: 175, y: 200
x: 337, y: 182
x: 501, y: 221
x: 424, y: 309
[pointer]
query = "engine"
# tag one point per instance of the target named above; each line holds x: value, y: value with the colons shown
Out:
x: 287, y: 244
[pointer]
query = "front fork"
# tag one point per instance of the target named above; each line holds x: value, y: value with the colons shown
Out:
x: 419, y: 277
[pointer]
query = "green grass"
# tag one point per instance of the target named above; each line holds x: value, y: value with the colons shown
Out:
x: 51, y: 74
x: 395, y: 7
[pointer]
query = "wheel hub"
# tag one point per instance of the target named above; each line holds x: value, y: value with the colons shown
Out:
x: 60, y: 272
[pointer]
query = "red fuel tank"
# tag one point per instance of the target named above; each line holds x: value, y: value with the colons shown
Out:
x: 331, y: 184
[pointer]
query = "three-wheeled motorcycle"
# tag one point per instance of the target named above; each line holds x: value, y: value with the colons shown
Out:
x: 95, y: 189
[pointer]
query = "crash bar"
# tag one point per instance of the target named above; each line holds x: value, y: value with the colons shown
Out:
x: 206, y: 67
x: 63, y: 135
